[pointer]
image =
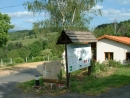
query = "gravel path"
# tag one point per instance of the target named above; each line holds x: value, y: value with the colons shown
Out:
x: 9, y: 90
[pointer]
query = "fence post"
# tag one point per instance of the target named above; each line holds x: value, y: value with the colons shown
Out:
x: 11, y: 61
x: 26, y: 59
x: 1, y: 62
x: 48, y: 57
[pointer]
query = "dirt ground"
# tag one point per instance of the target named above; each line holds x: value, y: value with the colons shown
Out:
x: 7, y: 70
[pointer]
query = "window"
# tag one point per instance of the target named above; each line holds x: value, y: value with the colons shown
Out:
x: 108, y: 55
x: 127, y: 56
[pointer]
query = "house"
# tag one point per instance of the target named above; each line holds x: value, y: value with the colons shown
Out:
x: 113, y: 48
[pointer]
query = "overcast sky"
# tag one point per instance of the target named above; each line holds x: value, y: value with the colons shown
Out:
x: 22, y: 19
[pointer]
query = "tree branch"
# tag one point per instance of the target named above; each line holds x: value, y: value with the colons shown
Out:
x: 63, y: 17
x: 73, y: 16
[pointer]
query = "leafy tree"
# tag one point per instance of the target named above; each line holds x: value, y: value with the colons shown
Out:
x: 2, y: 53
x: 35, y: 49
x: 44, y: 44
x: 4, y: 27
x: 36, y: 28
x: 46, y: 52
x: 24, y: 52
x: 65, y: 14
x: 11, y: 46
x: 56, y: 50
x: 122, y: 29
x: 13, y: 54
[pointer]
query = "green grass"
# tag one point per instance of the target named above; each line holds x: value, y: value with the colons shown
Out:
x: 94, y: 86
x: 83, y: 84
x: 25, y: 41
x: 28, y: 85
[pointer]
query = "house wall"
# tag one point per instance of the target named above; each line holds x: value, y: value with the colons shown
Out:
x: 119, y: 50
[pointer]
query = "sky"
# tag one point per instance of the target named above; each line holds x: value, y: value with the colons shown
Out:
x: 112, y: 10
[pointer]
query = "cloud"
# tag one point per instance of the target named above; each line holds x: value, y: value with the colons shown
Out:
x: 97, y: 7
x: 124, y: 1
x: 20, y: 14
x: 110, y: 12
x: 120, y: 15
x: 26, y: 14
x: 29, y: 21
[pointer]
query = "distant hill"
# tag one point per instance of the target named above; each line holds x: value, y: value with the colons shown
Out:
x: 20, y: 34
x: 10, y: 31
x: 118, y: 29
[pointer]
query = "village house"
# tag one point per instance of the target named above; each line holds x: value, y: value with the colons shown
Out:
x: 113, y: 48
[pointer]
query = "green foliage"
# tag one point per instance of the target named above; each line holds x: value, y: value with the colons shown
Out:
x: 64, y: 14
x: 18, y: 60
x: 97, y: 67
x: 28, y: 86
x: 56, y: 50
x: 11, y: 46
x: 113, y: 63
x: 122, y: 29
x: 3, y: 53
x: 60, y: 76
x: 37, y: 58
x: 44, y: 44
x: 10, y: 64
x: 4, y: 27
x: 13, y: 54
x: 35, y: 49
x: 94, y: 86
x: 46, y: 52
x: 24, y: 52
x: 20, y: 35
x: 25, y: 42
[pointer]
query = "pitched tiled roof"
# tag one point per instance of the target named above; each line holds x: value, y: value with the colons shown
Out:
x: 125, y: 40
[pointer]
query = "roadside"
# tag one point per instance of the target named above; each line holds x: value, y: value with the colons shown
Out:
x: 10, y: 76
x: 7, y: 70
x: 25, y: 72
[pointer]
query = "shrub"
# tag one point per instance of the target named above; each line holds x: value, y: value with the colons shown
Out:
x: 37, y: 58
x: 18, y: 60
x: 97, y: 67
x: 113, y: 63
x: 10, y: 64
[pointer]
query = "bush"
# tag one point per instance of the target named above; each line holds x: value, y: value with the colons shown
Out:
x: 97, y: 67
x: 10, y: 64
x: 113, y: 63
x: 37, y: 58
x: 18, y: 60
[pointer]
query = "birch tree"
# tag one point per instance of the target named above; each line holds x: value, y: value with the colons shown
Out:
x: 65, y: 14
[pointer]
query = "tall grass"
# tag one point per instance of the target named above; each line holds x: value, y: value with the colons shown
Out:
x: 92, y: 85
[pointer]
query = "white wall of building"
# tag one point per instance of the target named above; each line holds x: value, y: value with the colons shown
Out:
x: 119, y: 50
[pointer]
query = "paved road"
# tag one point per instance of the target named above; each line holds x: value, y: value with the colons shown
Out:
x: 8, y: 82
x: 9, y: 90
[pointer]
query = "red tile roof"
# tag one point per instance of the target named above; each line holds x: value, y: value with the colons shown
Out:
x: 125, y: 40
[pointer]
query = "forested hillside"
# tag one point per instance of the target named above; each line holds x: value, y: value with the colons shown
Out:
x: 117, y: 29
x: 36, y: 47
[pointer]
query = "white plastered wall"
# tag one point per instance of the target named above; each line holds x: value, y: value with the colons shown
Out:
x: 119, y: 50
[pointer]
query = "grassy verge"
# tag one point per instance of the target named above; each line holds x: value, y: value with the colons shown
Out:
x: 98, y: 83
x: 29, y: 85
x: 104, y: 81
